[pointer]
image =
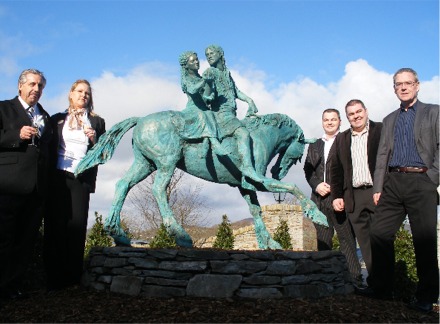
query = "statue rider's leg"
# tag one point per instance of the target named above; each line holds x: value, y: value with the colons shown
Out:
x: 203, y: 152
x: 217, y: 146
x: 210, y: 127
x: 245, y: 154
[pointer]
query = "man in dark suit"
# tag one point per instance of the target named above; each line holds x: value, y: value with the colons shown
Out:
x: 24, y: 138
x: 352, y: 168
x: 317, y: 173
x: 405, y: 183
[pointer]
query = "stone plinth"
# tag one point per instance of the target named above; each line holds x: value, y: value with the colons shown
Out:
x: 217, y: 273
x: 301, y: 229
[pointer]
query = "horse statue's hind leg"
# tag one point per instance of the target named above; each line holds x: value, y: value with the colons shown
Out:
x: 264, y: 240
x: 139, y: 170
x: 161, y: 181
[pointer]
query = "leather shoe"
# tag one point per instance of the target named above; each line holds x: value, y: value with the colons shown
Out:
x: 370, y: 293
x: 420, y: 306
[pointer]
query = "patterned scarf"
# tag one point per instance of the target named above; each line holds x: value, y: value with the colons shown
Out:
x: 76, y: 117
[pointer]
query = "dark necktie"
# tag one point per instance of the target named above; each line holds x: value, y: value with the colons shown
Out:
x: 30, y: 110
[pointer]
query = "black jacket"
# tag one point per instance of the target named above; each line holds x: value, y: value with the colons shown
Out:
x: 23, y: 167
x: 314, y: 166
x: 341, y: 168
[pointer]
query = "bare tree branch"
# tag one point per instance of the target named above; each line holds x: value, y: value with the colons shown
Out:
x: 189, y: 207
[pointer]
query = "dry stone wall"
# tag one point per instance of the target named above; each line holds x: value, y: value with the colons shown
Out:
x: 217, y: 273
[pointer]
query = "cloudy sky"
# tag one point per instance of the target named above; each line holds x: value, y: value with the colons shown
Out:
x: 293, y: 57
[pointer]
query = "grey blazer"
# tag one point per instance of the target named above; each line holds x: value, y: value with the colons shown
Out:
x: 427, y: 142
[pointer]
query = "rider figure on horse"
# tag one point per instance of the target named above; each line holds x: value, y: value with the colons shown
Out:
x: 199, y: 120
x: 223, y: 105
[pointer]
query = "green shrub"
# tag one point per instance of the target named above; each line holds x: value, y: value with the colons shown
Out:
x: 336, y: 246
x: 282, y: 235
x: 163, y: 239
x: 405, y: 269
x: 97, y: 236
x: 224, y: 237
x: 126, y: 229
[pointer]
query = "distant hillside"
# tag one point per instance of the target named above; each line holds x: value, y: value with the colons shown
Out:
x: 196, y: 232
x: 205, y: 232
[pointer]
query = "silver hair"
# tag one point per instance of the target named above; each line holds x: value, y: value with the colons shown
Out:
x: 23, y: 76
x: 409, y: 70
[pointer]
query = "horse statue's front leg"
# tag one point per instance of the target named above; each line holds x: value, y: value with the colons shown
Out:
x: 309, y: 207
x: 264, y: 240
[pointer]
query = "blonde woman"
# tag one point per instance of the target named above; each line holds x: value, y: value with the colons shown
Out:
x: 75, y: 131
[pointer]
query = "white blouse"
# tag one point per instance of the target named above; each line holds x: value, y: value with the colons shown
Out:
x: 73, y: 146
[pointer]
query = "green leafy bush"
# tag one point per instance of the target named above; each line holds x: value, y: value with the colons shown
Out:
x: 405, y: 269
x: 97, y: 236
x: 224, y: 237
x: 336, y: 246
x: 163, y: 239
x: 282, y: 235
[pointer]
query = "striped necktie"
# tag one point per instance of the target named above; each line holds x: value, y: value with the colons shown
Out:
x: 34, y: 120
x: 30, y: 110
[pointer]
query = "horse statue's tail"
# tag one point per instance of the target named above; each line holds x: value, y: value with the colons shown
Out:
x: 103, y: 151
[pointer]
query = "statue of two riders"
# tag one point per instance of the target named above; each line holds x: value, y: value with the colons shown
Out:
x: 241, y: 150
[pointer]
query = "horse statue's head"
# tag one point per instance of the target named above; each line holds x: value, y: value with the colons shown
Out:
x: 291, y: 140
x: 291, y: 155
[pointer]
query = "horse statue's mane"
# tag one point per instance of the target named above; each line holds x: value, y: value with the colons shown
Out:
x: 275, y: 120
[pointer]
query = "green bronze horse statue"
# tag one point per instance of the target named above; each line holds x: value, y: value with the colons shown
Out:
x: 158, y: 146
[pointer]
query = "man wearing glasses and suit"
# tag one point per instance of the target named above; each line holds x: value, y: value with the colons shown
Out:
x: 405, y: 183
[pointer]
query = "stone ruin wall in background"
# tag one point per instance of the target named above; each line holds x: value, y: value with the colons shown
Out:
x: 301, y: 229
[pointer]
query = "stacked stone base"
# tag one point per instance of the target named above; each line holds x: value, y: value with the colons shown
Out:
x: 217, y: 273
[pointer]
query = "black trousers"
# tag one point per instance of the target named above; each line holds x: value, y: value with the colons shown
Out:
x: 339, y: 222
x: 415, y: 195
x: 360, y: 220
x: 65, y: 228
x: 20, y: 220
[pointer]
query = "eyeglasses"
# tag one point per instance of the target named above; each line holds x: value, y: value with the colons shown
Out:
x: 398, y: 85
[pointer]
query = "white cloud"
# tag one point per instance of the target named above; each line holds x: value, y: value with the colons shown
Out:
x: 137, y: 94
x: 430, y: 91
x: 12, y: 49
x: 153, y: 87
